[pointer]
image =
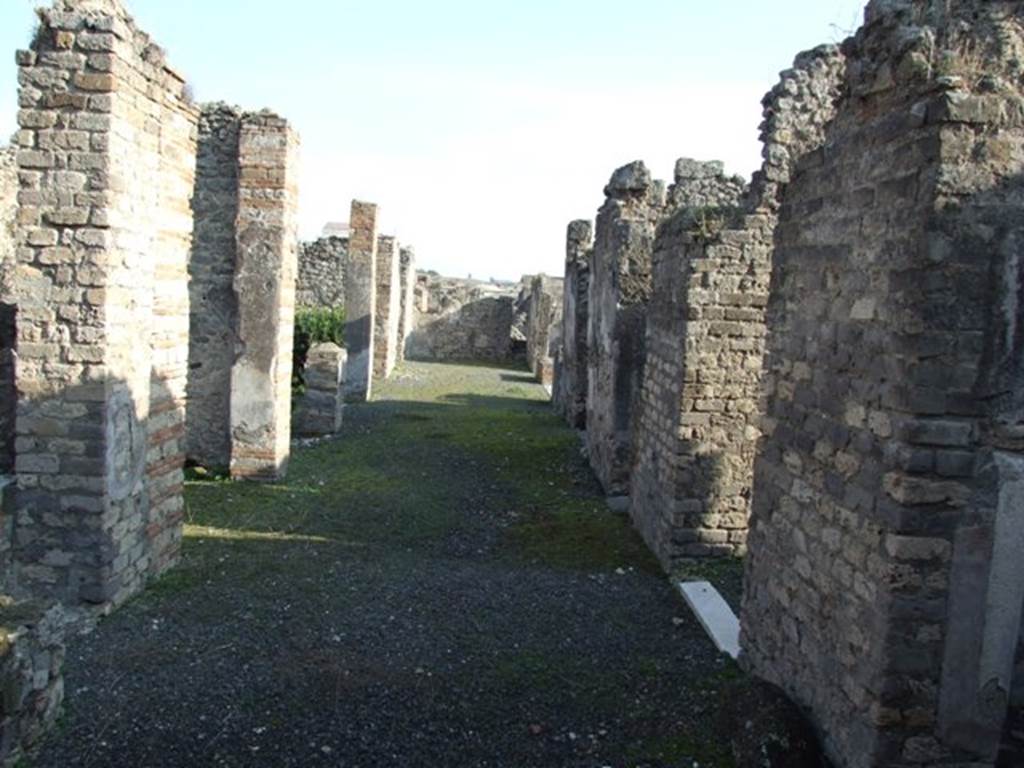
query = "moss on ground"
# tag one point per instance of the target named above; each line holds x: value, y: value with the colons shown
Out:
x: 447, y: 455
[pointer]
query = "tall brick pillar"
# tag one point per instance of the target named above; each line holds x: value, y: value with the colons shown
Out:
x: 389, y: 306
x: 360, y: 300
x: 267, y: 239
x: 107, y: 163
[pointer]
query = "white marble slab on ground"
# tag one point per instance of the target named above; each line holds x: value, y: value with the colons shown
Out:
x: 714, y: 614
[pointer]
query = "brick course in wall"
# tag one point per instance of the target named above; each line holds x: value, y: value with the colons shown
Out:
x: 884, y: 581
x: 107, y: 159
x: 700, y: 409
x: 321, y: 281
x: 570, y: 387
x: 620, y: 286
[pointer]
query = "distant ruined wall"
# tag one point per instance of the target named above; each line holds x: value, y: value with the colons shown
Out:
x: 478, y: 330
x: 570, y: 393
x: 389, y: 306
x: 884, y: 581
x: 461, y: 320
x: 107, y: 162
x: 407, y: 315
x: 321, y: 280
x: 213, y: 328
x: 543, y: 325
x: 620, y: 286
x: 700, y: 405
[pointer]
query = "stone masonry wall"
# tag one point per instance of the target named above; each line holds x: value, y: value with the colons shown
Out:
x: 543, y: 325
x: 361, y: 300
x: 620, y: 285
x: 267, y: 261
x: 700, y: 409
x: 407, y: 316
x: 321, y: 280
x: 481, y: 329
x: 213, y: 327
x: 8, y: 214
x: 106, y: 159
x: 570, y: 393
x: 388, y: 309
x: 884, y: 582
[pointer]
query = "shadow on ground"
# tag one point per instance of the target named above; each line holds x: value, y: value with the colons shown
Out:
x: 441, y: 586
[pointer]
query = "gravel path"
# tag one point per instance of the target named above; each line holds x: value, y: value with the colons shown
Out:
x: 441, y: 586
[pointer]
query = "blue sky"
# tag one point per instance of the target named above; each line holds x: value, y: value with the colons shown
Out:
x: 482, y: 128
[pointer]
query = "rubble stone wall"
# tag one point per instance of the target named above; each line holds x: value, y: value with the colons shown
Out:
x: 700, y: 403
x: 31, y: 675
x: 570, y: 388
x: 884, y: 582
x: 477, y: 330
x: 620, y: 285
x: 388, y: 309
x: 8, y: 214
x: 107, y: 161
x: 321, y: 280
x: 213, y: 328
x: 461, y: 320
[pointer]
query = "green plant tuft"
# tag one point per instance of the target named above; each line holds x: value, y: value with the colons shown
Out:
x: 314, y: 326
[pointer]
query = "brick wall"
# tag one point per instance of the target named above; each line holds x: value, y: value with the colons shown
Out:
x: 107, y: 158
x: 700, y: 410
x: 884, y: 583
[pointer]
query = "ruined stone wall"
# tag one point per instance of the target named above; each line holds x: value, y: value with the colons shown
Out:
x: 8, y: 214
x: 884, y: 582
x: 477, y: 330
x: 213, y: 329
x: 543, y: 325
x: 389, y: 306
x: 361, y: 300
x: 461, y: 320
x: 321, y: 281
x: 570, y: 388
x: 700, y: 411
x: 407, y: 316
x: 107, y: 159
x: 267, y: 261
x: 620, y: 285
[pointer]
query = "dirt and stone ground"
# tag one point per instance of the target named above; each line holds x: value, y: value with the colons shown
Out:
x: 440, y: 586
